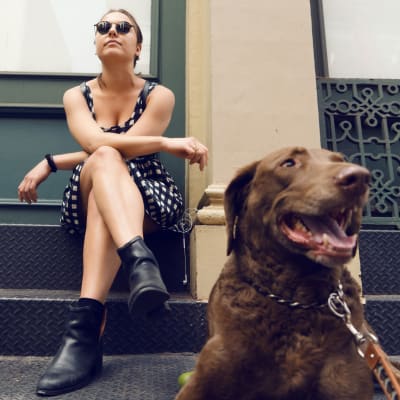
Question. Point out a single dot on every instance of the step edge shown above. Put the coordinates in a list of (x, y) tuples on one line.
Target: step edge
[(72, 295)]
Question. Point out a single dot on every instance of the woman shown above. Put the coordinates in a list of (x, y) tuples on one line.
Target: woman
[(118, 191)]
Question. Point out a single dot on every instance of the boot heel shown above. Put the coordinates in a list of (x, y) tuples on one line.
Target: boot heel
[(98, 367), (146, 300), (147, 290)]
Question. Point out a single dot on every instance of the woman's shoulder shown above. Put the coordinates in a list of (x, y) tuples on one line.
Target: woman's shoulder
[(81, 88), (74, 93), (161, 92)]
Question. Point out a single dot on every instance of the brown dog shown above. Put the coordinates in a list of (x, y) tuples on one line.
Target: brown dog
[(292, 221)]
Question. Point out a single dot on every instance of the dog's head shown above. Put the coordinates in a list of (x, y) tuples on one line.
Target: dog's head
[(297, 200)]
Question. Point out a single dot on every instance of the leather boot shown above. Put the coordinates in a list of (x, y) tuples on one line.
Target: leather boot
[(80, 356), (147, 290)]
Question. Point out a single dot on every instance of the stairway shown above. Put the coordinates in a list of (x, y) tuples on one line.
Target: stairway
[(40, 271), (380, 271)]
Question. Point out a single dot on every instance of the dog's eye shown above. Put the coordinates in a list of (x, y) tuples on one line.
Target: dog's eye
[(290, 162)]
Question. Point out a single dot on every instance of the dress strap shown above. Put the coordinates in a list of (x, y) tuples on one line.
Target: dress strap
[(146, 91), (147, 88), (85, 89)]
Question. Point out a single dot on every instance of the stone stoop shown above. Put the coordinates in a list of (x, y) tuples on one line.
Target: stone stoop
[(40, 273)]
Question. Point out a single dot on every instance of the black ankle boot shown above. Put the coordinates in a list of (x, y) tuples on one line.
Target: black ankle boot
[(80, 356), (147, 290)]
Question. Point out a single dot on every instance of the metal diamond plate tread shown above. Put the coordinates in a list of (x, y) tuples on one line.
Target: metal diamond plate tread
[(380, 261), (383, 314), (139, 377), (34, 322), (47, 257), (39, 257)]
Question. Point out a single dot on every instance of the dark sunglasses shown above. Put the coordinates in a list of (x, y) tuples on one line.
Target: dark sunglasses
[(103, 27)]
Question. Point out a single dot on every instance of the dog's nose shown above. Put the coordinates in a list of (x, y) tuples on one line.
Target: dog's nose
[(353, 178)]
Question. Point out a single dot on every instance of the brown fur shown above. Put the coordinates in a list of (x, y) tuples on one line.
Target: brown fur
[(259, 349)]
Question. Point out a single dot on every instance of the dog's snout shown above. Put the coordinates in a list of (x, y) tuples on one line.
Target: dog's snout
[(353, 177)]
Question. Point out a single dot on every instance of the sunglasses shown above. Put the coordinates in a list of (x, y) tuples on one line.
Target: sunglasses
[(103, 27)]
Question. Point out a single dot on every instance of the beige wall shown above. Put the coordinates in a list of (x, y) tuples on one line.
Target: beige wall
[(262, 80), (251, 89)]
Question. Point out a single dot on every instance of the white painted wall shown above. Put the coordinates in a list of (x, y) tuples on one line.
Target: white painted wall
[(56, 36)]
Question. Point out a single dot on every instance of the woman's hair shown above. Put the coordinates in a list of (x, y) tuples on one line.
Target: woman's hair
[(136, 26)]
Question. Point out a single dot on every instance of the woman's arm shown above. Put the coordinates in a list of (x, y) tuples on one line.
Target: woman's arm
[(142, 139), (90, 136), (157, 115), (27, 189), (68, 161)]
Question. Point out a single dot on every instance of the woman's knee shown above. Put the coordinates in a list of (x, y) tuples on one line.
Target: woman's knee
[(106, 153)]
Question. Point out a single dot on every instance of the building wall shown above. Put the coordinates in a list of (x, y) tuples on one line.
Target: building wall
[(251, 88)]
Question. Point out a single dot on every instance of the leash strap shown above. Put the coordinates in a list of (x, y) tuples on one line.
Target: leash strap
[(382, 368), (368, 347)]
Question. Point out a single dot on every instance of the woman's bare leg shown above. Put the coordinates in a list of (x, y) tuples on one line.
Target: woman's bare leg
[(102, 178), (100, 259), (118, 200)]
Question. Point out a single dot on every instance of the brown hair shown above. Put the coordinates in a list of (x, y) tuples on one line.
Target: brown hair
[(136, 26)]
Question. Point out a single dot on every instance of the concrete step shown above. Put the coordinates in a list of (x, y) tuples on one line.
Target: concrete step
[(134, 377), (47, 257), (33, 323)]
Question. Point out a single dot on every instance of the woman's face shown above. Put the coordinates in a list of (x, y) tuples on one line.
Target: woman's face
[(115, 44)]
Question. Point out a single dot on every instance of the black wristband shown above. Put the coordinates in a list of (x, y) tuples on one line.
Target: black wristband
[(50, 161)]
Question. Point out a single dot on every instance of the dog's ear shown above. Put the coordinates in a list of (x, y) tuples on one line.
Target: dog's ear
[(234, 199)]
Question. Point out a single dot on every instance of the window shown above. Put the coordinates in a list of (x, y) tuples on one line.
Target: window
[(362, 38), (57, 36)]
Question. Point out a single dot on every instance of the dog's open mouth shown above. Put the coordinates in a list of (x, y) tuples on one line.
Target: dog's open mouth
[(324, 235)]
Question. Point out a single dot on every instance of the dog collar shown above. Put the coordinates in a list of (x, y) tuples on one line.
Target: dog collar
[(280, 300)]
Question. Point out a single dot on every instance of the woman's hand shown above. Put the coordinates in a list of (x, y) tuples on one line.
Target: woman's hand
[(189, 148), (27, 189)]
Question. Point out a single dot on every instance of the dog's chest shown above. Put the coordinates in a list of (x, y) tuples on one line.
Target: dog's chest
[(275, 329)]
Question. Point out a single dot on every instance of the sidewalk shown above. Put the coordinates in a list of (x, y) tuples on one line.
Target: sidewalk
[(127, 377)]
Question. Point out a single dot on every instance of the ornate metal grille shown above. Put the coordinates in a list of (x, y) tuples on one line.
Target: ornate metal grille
[(361, 119)]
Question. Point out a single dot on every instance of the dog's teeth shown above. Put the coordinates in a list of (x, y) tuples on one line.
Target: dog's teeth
[(300, 226), (325, 240)]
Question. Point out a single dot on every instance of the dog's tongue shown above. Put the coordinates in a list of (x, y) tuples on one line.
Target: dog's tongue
[(328, 226)]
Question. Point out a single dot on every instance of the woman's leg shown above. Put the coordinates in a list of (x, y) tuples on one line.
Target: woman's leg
[(110, 197), (105, 176), (114, 213), (100, 259)]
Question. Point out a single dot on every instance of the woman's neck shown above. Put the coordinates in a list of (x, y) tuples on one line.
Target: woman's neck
[(117, 79)]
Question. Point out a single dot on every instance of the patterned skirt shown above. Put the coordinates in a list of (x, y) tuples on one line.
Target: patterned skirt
[(162, 199)]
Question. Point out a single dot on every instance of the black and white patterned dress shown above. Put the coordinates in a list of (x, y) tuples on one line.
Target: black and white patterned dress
[(162, 199)]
